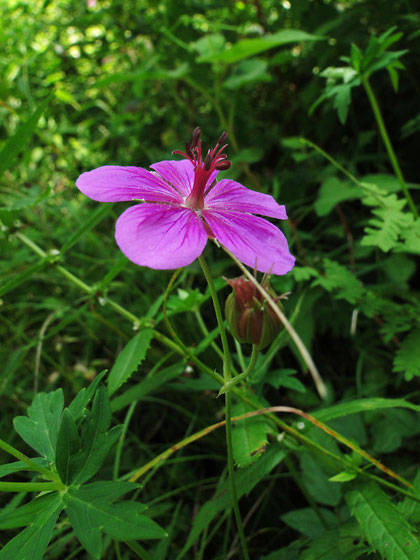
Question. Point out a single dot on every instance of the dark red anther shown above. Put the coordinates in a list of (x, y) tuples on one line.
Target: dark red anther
[(222, 138), (195, 136), (188, 150), (223, 165), (208, 160)]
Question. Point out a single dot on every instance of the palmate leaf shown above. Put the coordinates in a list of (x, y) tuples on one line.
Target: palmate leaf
[(92, 512), (25, 515), (78, 458), (41, 428), (382, 524)]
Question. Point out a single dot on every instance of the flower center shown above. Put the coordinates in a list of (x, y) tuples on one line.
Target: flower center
[(215, 159)]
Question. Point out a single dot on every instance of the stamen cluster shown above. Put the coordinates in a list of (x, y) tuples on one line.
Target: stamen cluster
[(215, 158)]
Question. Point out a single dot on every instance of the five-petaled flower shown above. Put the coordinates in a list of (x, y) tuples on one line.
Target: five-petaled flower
[(182, 205)]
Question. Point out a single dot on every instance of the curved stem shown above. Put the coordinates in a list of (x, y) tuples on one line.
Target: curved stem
[(386, 140), (46, 473), (253, 360), (227, 374)]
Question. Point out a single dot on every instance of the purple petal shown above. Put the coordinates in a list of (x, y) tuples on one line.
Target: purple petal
[(232, 196), (159, 236), (180, 174), (112, 183), (253, 240)]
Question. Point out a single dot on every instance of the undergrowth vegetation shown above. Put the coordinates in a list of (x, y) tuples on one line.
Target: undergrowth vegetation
[(116, 380)]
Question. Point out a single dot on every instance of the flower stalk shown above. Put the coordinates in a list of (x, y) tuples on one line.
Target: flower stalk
[(227, 374)]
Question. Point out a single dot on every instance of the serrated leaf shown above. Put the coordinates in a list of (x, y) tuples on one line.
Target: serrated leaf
[(337, 278), (383, 526), (18, 142), (129, 359), (32, 542), (39, 429), (246, 48), (407, 357), (411, 508), (249, 436)]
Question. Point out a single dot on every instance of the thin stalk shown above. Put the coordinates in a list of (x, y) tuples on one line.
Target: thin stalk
[(46, 473), (253, 360), (30, 486), (387, 141), (227, 374)]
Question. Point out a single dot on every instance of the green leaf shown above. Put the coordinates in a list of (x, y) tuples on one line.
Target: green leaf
[(26, 514), (95, 441), (246, 479), (361, 405), (383, 526), (317, 481), (129, 359), (407, 357), (18, 142), (32, 542), (307, 522), (68, 444), (89, 515), (344, 543), (246, 48), (10, 468), (344, 476), (41, 428), (248, 72), (332, 192), (284, 378), (84, 397), (411, 508), (249, 436), (338, 279)]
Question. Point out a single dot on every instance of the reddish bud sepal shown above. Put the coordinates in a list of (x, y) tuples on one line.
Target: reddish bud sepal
[(249, 317)]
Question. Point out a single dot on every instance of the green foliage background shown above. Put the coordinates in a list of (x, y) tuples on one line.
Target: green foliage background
[(125, 82)]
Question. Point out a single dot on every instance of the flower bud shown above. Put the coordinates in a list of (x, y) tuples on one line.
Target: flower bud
[(248, 315)]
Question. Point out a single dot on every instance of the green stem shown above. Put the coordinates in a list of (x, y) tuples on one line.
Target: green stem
[(227, 374), (46, 473), (253, 360), (30, 486), (386, 140)]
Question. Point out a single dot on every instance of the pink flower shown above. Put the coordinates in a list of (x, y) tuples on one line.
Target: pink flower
[(183, 205)]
